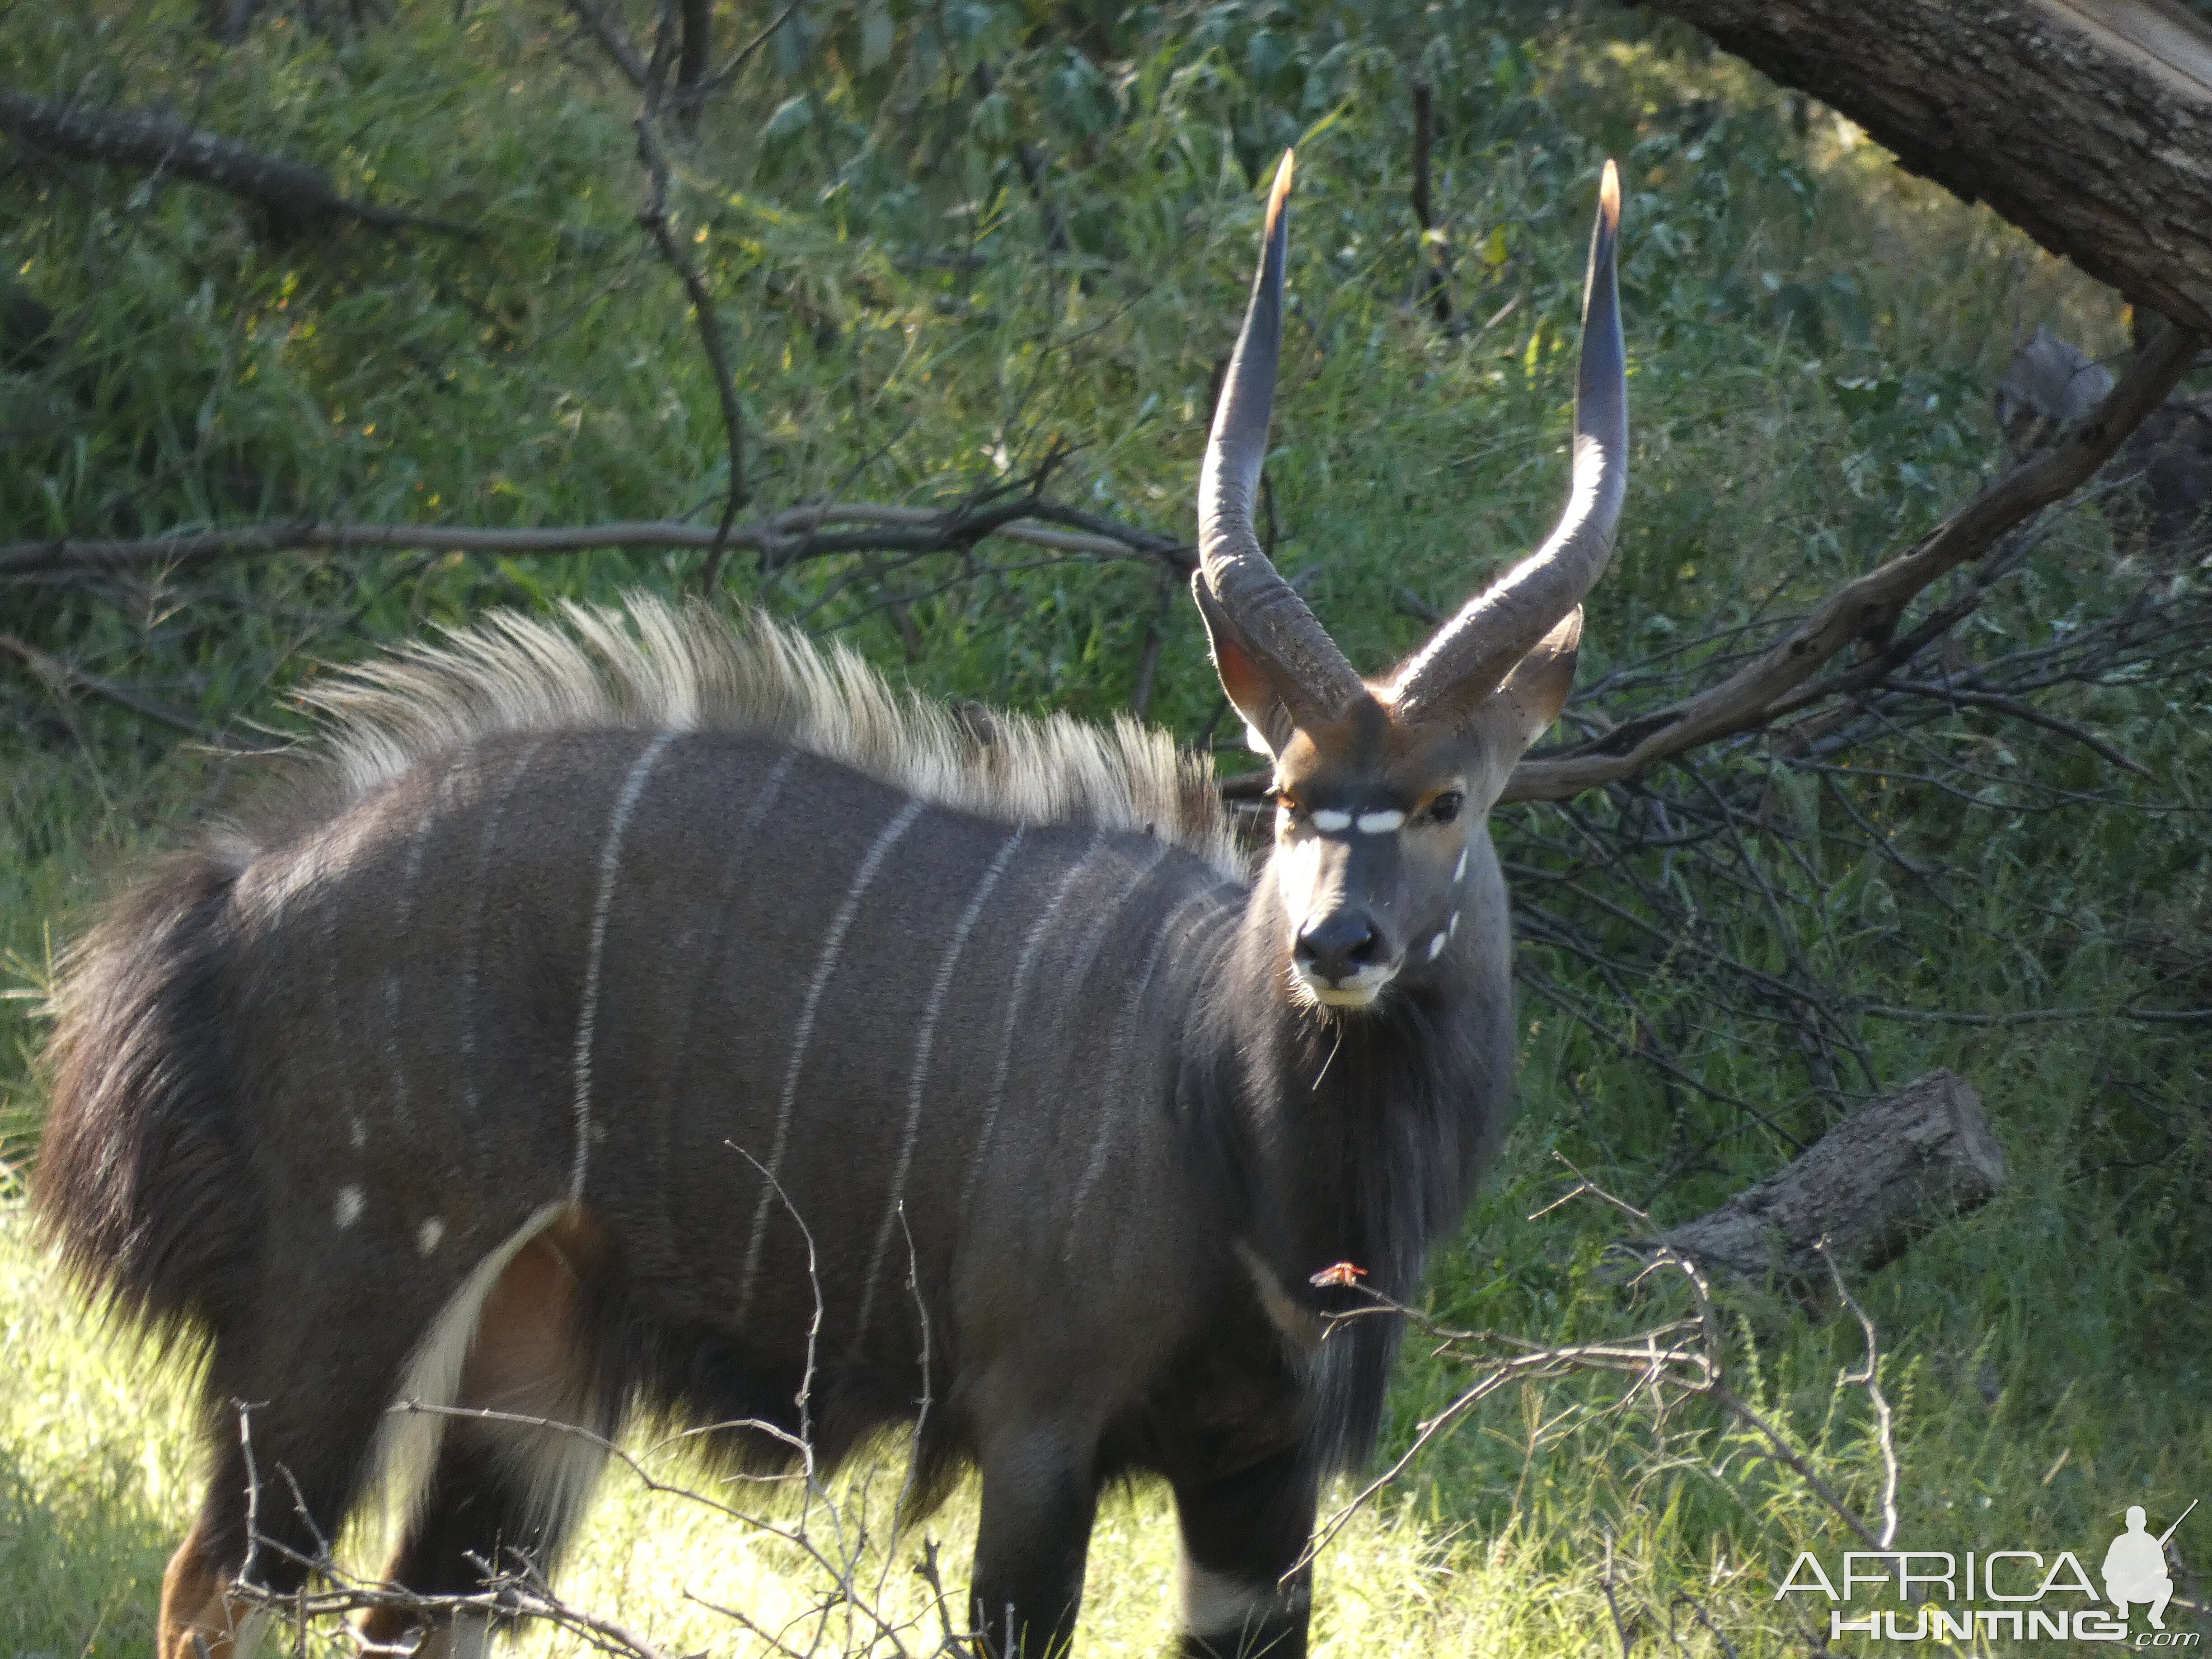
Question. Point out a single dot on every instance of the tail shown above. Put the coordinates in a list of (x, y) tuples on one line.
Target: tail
[(140, 1180)]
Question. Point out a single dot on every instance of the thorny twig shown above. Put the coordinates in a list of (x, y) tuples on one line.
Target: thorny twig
[(1683, 1357)]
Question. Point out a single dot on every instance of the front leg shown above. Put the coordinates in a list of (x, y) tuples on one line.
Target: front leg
[(1241, 1535), (1039, 1495)]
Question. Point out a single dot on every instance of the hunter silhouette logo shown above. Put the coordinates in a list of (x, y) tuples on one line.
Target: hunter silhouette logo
[(2020, 1582), (2135, 1567)]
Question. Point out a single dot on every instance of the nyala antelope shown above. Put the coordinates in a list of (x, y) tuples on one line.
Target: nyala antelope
[(601, 976)]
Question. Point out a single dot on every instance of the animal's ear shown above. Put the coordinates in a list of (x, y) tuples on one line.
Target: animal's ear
[(1519, 711), (1244, 676)]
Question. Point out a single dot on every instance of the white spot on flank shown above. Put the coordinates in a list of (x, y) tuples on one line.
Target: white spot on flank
[(1458, 871), (1382, 823), (356, 1134), (1329, 821), (1452, 928), (351, 1202), (1435, 947), (429, 1235)]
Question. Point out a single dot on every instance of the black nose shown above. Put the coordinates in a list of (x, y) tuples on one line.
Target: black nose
[(1338, 946)]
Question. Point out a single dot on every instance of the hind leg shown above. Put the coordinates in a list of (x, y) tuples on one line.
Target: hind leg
[(503, 1492), (267, 1516)]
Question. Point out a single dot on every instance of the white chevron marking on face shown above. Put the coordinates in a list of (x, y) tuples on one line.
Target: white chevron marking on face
[(1382, 823)]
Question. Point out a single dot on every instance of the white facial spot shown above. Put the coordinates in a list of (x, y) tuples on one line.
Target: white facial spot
[(1330, 822), (1435, 947), (351, 1202), (1452, 928), (1458, 871), (429, 1236), (1381, 824)]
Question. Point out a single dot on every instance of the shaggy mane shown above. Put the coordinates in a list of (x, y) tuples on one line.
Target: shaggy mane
[(649, 666)]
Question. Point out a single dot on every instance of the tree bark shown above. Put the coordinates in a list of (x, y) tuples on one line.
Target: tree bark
[(2087, 123), (1894, 1168)]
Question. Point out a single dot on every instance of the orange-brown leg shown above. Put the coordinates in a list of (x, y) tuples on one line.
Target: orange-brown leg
[(198, 1616)]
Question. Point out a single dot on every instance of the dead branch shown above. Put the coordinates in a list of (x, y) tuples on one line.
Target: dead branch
[(613, 40), (1774, 685), (1683, 1357), (66, 679), (2081, 123), (786, 539), (1894, 1167), (654, 217), (296, 197)]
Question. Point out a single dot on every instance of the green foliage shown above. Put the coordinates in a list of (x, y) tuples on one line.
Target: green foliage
[(945, 239)]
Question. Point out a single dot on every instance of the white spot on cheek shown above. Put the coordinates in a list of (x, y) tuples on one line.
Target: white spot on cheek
[(1458, 871), (1328, 821), (428, 1238), (1435, 947), (351, 1202), (1381, 824)]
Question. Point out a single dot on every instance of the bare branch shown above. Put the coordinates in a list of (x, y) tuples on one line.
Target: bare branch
[(613, 40), (296, 195), (786, 539), (1685, 1356), (1774, 684), (654, 217)]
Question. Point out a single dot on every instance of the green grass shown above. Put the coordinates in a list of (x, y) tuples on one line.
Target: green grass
[(1814, 338)]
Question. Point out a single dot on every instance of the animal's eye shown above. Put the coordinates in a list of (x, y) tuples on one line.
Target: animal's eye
[(1445, 807), (1287, 806)]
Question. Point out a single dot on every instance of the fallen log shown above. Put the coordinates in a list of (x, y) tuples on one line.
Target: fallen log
[(1892, 1169)]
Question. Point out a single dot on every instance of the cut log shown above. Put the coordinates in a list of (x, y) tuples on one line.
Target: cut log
[(2087, 123), (1892, 1169)]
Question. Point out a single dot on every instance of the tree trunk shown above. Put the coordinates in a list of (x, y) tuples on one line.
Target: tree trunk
[(2087, 123), (1894, 1167)]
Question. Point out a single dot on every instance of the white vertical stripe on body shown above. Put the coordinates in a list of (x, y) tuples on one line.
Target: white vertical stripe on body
[(923, 1043), (587, 1013), (1032, 943), (1117, 1059), (833, 943), (733, 866), (395, 1060)]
